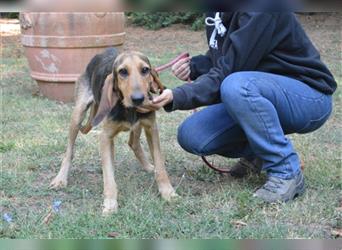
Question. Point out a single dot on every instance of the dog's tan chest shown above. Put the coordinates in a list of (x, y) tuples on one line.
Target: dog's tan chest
[(123, 126)]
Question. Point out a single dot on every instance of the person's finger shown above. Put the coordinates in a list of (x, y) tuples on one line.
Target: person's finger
[(143, 110), (182, 68), (165, 96), (157, 106), (154, 107), (184, 75), (159, 98), (161, 104), (179, 64), (149, 107), (181, 74)]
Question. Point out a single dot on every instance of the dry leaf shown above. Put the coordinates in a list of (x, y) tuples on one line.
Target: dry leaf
[(47, 218), (113, 234), (239, 223), (336, 232), (35, 92)]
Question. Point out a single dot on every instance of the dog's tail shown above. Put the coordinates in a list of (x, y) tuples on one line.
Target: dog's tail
[(87, 127)]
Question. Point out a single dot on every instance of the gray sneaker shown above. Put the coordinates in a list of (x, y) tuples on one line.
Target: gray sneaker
[(243, 167), (276, 189)]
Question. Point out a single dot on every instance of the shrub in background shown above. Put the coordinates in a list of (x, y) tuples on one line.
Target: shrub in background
[(9, 15), (157, 20)]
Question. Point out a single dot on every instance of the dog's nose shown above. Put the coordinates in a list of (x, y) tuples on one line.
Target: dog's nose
[(137, 98)]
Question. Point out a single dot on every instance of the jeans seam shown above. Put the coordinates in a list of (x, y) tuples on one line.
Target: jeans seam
[(254, 109), (323, 117), (317, 99)]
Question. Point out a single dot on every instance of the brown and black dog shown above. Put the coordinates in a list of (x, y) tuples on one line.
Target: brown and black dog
[(113, 85)]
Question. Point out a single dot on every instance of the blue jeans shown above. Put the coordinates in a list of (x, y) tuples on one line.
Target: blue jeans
[(256, 112)]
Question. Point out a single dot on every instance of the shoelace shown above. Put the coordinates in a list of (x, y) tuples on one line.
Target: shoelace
[(219, 29), (272, 184)]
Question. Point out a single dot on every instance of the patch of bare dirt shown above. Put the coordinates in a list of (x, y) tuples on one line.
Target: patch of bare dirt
[(9, 27), (10, 45), (166, 40), (323, 28)]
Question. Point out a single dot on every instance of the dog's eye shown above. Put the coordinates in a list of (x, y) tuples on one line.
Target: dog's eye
[(123, 72), (145, 70)]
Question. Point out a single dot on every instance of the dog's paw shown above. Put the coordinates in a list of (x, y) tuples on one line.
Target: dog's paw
[(149, 168), (174, 197), (169, 195), (110, 206), (58, 182)]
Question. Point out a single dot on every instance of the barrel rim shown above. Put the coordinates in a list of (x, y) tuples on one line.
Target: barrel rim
[(89, 41)]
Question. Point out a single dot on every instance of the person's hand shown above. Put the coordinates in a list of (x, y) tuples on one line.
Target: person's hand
[(158, 102), (181, 69)]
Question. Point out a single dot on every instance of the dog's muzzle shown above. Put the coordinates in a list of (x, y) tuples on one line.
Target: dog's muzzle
[(137, 98)]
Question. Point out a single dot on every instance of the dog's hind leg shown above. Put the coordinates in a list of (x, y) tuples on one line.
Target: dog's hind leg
[(83, 99), (134, 143)]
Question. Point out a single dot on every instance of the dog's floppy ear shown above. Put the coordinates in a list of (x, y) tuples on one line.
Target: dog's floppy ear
[(156, 85), (109, 98)]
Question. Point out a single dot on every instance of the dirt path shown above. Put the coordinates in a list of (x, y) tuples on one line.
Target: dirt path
[(9, 27)]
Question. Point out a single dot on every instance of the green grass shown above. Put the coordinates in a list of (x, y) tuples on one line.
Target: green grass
[(33, 140)]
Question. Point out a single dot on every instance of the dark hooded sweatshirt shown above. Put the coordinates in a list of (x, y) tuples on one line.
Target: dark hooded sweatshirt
[(266, 42)]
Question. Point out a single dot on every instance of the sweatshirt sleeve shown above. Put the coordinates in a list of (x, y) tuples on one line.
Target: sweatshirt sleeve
[(200, 65), (246, 47)]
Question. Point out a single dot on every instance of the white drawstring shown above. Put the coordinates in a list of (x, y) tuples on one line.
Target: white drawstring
[(219, 29)]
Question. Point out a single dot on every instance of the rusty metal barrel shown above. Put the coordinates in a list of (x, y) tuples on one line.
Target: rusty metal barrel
[(59, 45)]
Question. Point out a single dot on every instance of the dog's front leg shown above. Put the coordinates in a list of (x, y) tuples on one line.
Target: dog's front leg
[(165, 188), (107, 157), (134, 143)]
